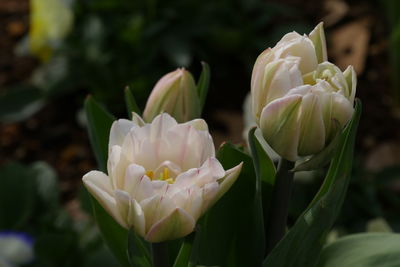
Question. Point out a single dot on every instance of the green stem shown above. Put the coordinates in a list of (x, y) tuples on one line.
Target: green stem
[(160, 254), (280, 201)]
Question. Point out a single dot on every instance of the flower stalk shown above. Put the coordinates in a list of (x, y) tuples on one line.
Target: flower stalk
[(160, 254), (280, 201)]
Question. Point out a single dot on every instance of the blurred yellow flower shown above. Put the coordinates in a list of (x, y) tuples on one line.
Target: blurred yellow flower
[(51, 21)]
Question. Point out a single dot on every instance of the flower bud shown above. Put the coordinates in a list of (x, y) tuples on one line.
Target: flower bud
[(299, 99), (176, 94)]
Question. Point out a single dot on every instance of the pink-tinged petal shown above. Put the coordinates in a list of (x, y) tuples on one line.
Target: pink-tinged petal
[(176, 225), (190, 200), (210, 171), (130, 211), (96, 183), (116, 165), (187, 178), (119, 130), (279, 125), (137, 184), (210, 192), (151, 153), (156, 208), (312, 128), (185, 146), (160, 125), (166, 87)]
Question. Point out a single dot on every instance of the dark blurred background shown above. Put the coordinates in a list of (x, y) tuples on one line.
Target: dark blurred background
[(98, 47)]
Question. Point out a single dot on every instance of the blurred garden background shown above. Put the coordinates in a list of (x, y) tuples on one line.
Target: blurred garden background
[(55, 53)]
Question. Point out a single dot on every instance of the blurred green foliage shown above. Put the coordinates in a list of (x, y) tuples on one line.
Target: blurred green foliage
[(118, 43), (30, 202)]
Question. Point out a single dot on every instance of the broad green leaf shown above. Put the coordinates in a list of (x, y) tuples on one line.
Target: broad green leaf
[(138, 251), (17, 195), (265, 170), (99, 125), (115, 236), (203, 83), (130, 102), (303, 242), (231, 233), (363, 250)]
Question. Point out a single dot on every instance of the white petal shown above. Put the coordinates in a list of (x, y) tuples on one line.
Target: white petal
[(279, 125), (190, 200), (317, 36), (177, 224), (116, 165), (119, 130), (198, 124), (96, 184), (137, 184), (160, 125), (209, 172), (156, 208), (131, 211), (312, 128)]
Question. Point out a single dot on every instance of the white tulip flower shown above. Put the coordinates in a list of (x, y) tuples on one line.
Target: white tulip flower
[(162, 176)]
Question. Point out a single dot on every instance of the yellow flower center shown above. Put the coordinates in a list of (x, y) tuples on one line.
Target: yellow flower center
[(163, 176)]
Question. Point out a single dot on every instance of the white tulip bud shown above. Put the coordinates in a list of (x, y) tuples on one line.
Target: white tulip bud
[(299, 99), (176, 94)]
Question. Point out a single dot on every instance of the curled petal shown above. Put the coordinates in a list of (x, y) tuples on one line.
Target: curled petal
[(317, 36), (130, 211), (279, 125), (351, 78), (99, 186), (137, 184)]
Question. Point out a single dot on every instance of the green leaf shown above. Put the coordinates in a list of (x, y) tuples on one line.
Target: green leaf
[(138, 251), (303, 243), (203, 83), (47, 184), (362, 250), (20, 103), (130, 102), (232, 233), (115, 236), (265, 170), (17, 195), (183, 258), (99, 125)]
